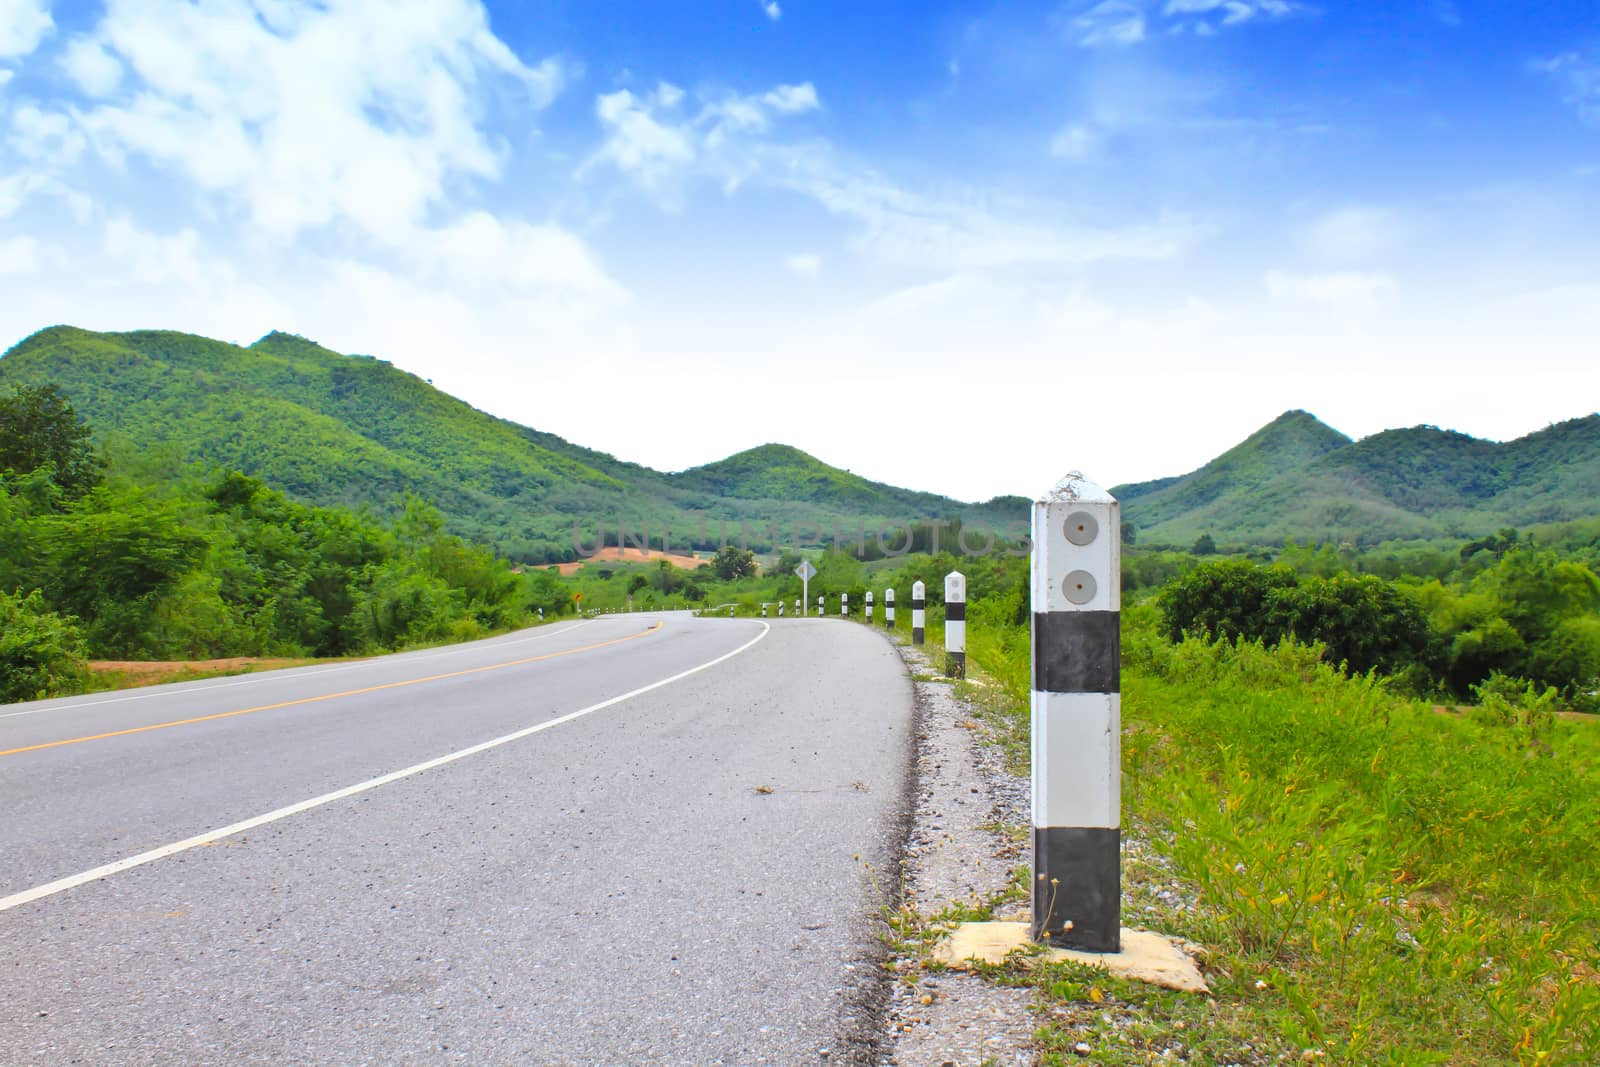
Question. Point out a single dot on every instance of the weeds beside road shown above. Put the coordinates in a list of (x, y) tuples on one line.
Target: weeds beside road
[(1374, 882)]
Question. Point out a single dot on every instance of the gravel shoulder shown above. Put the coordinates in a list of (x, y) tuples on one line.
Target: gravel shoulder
[(966, 840)]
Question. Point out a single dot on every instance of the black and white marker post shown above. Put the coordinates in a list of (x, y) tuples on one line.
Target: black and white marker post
[(797, 610), (822, 605), (888, 608), (869, 607), (955, 625), (1077, 717), (844, 603), (780, 609), (919, 611)]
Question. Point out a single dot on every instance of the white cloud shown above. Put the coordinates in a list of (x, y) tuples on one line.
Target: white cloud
[(18, 255), (1578, 75), (96, 71), (1127, 22), (480, 250), (969, 232), (221, 92), (639, 143), (45, 137), (1075, 141), (19, 186), (659, 144), (23, 24), (1354, 232), (5, 76), (792, 99), (774, 12), (805, 264), (154, 259), (1231, 12), (1109, 22), (1344, 291)]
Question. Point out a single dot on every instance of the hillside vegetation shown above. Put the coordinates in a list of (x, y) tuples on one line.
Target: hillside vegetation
[(1297, 478), (353, 431)]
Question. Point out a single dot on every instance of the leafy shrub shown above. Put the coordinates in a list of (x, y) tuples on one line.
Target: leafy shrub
[(1362, 622), (41, 654), (1515, 702)]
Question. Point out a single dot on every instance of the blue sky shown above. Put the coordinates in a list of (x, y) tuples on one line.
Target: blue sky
[(1115, 236)]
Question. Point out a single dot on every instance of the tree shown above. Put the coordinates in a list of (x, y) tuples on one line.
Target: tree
[(39, 429), (732, 562), (1227, 598), (112, 556), (1204, 546), (1361, 621), (1130, 533)]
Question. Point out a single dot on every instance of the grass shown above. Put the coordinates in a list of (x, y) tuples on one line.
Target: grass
[(1375, 883)]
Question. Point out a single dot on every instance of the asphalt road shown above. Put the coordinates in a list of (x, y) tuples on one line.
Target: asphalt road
[(474, 854)]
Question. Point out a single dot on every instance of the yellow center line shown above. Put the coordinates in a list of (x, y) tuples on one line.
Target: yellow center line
[(330, 696)]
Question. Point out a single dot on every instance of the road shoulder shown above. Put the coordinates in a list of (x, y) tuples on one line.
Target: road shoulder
[(965, 846)]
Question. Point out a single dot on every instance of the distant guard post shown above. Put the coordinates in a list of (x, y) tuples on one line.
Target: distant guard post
[(919, 611), (955, 625)]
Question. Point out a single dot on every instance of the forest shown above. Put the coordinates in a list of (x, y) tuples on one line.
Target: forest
[(98, 561), (105, 556)]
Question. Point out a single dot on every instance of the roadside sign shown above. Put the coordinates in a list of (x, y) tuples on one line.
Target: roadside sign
[(806, 572)]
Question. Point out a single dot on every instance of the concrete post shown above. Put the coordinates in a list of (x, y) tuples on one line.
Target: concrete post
[(763, 609), (955, 625), (541, 615), (888, 608), (869, 607), (821, 597), (780, 609), (1077, 717), (919, 613), (797, 606), (844, 603)]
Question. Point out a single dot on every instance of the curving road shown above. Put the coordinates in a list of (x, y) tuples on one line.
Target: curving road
[(634, 839)]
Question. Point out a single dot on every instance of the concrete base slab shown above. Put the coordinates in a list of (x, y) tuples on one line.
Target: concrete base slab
[(1145, 956)]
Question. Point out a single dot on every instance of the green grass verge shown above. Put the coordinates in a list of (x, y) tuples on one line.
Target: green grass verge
[(1376, 883)]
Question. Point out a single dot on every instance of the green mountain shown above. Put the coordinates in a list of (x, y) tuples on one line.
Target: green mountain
[(355, 431), (1299, 478)]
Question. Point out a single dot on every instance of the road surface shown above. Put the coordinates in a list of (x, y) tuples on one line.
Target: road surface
[(633, 839)]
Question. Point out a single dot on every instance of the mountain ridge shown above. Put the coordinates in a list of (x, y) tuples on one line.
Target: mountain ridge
[(1418, 482), (355, 431)]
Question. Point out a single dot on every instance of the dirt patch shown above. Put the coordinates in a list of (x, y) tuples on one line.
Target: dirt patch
[(1570, 716), (143, 671), (610, 554)]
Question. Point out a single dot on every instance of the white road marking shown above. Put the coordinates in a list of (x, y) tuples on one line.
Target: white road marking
[(305, 672), (73, 881)]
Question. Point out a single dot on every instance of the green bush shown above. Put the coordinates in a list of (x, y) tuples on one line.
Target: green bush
[(41, 654), (1362, 622)]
